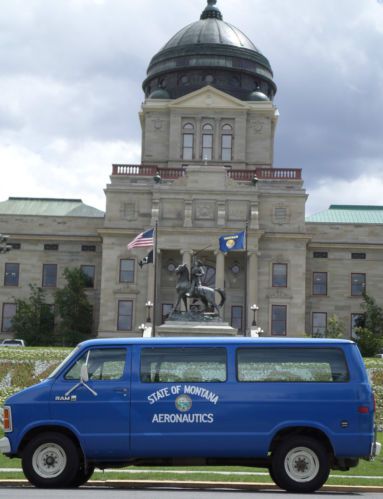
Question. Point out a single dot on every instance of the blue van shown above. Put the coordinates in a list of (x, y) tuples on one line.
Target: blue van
[(298, 407)]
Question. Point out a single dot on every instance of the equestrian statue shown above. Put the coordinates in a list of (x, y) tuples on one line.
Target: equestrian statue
[(194, 289)]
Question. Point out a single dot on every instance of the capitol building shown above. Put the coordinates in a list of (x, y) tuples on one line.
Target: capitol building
[(208, 125)]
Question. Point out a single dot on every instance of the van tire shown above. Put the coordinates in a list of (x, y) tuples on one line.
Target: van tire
[(300, 464), (51, 460)]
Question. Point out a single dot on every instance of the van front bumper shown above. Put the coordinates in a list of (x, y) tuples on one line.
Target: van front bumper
[(376, 449), (5, 446)]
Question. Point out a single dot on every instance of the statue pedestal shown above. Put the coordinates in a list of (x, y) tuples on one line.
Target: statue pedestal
[(194, 328)]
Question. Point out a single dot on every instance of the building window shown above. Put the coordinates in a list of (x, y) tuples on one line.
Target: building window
[(358, 256), (15, 246), (125, 315), (236, 317), (319, 324), (49, 275), (88, 247), (319, 283), (51, 247), (166, 309), (11, 274), (357, 320), (227, 143), (207, 142), (188, 141), (320, 254), (127, 266), (89, 272), (9, 310), (278, 320), (358, 284), (279, 278)]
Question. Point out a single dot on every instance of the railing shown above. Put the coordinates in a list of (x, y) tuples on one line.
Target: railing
[(266, 173), (238, 175), (148, 171)]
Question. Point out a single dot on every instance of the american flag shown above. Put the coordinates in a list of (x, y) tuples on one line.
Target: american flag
[(143, 240)]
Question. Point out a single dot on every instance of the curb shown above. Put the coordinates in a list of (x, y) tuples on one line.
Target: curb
[(179, 484)]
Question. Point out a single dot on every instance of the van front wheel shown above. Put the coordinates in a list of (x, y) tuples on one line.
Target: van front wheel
[(300, 464), (51, 460)]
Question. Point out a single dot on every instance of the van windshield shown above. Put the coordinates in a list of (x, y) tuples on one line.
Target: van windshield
[(69, 356)]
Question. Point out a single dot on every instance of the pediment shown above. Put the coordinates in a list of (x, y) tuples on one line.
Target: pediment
[(208, 97)]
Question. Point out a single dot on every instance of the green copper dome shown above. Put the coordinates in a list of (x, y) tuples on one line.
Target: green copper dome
[(210, 52)]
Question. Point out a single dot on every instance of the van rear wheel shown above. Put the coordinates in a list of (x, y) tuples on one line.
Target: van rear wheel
[(51, 460), (300, 464)]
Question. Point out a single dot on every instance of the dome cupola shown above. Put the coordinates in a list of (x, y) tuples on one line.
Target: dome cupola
[(210, 52)]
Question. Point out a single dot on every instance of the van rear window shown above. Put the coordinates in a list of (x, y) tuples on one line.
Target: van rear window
[(183, 365), (305, 365)]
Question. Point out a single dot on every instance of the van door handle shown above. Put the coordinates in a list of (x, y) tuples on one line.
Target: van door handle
[(121, 390)]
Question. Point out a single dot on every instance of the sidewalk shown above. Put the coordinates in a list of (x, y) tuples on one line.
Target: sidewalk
[(201, 485), (183, 484)]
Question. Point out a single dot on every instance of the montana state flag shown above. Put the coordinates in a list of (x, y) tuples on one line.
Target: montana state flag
[(232, 242)]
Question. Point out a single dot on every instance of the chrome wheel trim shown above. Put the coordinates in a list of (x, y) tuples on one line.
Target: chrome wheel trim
[(301, 464), (49, 460)]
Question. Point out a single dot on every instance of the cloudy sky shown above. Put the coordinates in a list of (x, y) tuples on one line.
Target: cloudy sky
[(70, 90)]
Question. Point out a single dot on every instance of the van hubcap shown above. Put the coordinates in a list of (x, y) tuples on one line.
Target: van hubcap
[(301, 464), (49, 460)]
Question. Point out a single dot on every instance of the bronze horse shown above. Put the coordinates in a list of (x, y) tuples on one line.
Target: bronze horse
[(203, 293)]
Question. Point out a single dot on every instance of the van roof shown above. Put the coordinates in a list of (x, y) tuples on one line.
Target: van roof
[(238, 340)]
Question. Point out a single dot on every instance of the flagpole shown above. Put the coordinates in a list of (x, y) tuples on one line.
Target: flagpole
[(245, 316), (155, 279)]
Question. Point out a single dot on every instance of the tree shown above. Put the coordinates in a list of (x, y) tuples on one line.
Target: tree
[(335, 328), (369, 333), (34, 319), (74, 309)]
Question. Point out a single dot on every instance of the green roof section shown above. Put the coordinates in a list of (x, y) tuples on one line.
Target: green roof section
[(48, 207), (348, 214)]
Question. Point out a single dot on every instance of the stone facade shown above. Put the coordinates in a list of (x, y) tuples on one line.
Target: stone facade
[(206, 170)]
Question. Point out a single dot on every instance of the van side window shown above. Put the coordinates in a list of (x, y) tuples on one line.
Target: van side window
[(324, 365), (103, 364), (183, 365)]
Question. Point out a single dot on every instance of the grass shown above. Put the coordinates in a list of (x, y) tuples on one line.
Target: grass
[(24, 366)]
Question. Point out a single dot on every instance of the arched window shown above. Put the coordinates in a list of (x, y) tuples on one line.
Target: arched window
[(207, 142), (226, 142), (187, 141)]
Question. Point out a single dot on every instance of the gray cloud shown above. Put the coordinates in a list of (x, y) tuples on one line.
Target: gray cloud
[(72, 72)]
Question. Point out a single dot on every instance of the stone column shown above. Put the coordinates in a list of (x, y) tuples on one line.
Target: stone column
[(252, 284), (186, 257), (219, 269), (220, 274), (150, 290)]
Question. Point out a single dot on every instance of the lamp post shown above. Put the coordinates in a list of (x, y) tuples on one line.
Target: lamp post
[(148, 305), (254, 308)]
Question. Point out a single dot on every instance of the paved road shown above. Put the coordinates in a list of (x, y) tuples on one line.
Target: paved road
[(104, 493)]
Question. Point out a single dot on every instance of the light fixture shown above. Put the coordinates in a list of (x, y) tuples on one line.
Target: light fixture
[(254, 180), (254, 308), (157, 178), (148, 305)]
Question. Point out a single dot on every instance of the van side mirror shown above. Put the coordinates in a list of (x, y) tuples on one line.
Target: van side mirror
[(84, 375)]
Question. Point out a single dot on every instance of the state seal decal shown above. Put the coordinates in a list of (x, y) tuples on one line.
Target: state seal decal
[(184, 403)]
